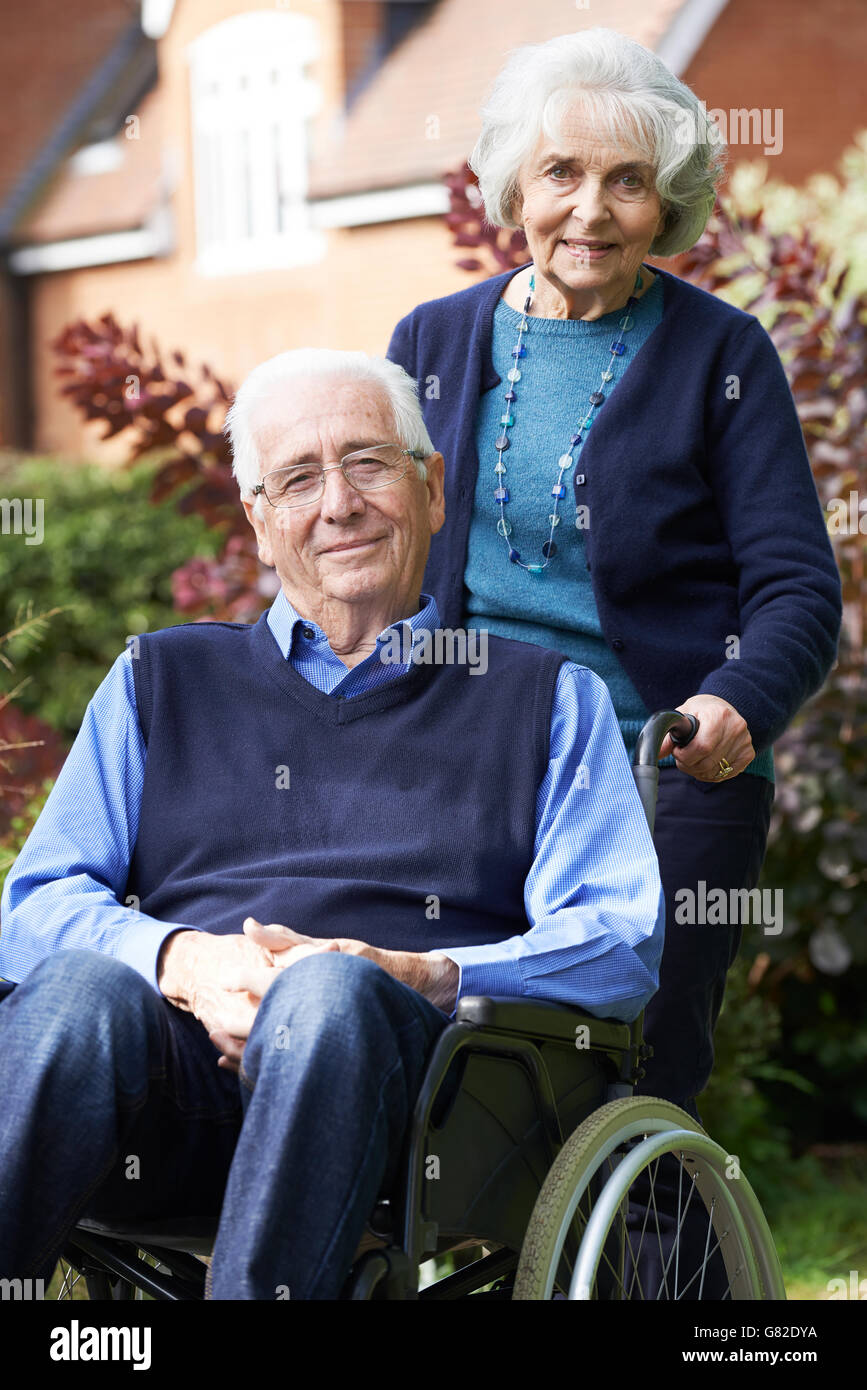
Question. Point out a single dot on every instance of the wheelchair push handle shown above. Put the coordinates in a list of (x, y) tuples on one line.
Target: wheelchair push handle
[(677, 732), (683, 729)]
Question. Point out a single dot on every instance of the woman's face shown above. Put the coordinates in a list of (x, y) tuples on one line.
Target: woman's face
[(589, 210)]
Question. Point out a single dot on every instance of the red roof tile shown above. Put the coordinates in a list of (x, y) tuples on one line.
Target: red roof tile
[(48, 53), (81, 204), (419, 117)]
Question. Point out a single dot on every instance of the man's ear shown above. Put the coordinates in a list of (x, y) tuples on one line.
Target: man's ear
[(435, 483), (258, 525)]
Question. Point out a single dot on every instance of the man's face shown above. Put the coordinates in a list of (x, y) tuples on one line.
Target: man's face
[(367, 548)]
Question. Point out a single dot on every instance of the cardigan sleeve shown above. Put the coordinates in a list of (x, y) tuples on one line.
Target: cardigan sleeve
[(402, 348), (789, 590)]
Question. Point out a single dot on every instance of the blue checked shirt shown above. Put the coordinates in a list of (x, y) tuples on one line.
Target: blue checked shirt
[(593, 896)]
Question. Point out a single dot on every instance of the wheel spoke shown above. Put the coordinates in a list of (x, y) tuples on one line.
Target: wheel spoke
[(702, 1269), (70, 1278), (675, 1249), (635, 1256), (617, 1272), (658, 1232), (706, 1243), (677, 1242)]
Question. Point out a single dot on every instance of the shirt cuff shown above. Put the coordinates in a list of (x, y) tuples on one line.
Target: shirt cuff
[(481, 975), (141, 943)]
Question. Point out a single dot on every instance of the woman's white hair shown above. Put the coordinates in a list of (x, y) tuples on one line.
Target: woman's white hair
[(287, 373), (632, 98)]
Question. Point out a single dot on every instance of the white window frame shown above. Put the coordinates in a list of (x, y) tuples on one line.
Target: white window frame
[(99, 157), (251, 101)]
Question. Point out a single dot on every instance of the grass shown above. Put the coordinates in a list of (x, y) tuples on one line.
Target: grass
[(819, 1223)]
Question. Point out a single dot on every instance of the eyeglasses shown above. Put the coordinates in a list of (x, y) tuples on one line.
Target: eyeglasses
[(366, 470)]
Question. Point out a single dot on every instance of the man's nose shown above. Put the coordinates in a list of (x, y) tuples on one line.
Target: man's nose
[(340, 499)]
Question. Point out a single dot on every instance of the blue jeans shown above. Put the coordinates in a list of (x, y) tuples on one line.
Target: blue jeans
[(112, 1106)]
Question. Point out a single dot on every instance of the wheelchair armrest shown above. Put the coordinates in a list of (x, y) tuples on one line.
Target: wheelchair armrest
[(540, 1018)]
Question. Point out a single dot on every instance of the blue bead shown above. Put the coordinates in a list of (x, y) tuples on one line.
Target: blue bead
[(514, 555), (501, 442), (519, 351), (501, 494), (534, 569), (576, 439), (510, 396), (597, 398), (558, 490), (618, 349), (549, 549)]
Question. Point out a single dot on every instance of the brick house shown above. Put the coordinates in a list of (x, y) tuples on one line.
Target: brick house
[(239, 178)]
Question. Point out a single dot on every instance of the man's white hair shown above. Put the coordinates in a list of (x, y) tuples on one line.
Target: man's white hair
[(286, 373), (631, 97)]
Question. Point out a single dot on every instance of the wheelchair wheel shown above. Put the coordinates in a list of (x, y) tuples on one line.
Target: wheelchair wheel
[(641, 1204)]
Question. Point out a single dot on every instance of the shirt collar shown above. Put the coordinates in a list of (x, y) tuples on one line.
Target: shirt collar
[(288, 627)]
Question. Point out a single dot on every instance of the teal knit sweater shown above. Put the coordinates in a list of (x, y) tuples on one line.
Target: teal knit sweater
[(564, 362)]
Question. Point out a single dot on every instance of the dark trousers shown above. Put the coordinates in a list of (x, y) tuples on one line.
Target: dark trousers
[(715, 832)]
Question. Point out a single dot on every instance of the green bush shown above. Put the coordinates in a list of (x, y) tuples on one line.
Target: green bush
[(12, 843), (796, 259), (107, 559)]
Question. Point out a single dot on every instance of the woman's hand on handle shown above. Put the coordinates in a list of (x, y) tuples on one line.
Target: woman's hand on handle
[(723, 737)]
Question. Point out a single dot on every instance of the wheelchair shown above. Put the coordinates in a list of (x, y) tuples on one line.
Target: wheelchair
[(529, 1154)]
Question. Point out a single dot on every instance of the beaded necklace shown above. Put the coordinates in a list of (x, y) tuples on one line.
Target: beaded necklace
[(566, 460)]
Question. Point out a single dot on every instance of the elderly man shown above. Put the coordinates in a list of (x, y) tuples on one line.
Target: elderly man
[(287, 854)]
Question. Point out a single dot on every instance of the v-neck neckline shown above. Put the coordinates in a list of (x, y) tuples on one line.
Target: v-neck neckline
[(334, 708)]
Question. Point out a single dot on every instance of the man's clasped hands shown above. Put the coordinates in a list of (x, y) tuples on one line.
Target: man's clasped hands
[(223, 979)]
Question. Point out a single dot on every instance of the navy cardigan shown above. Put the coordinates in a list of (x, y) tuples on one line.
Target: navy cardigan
[(705, 523)]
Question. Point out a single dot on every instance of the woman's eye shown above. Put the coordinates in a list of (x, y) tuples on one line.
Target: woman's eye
[(559, 169)]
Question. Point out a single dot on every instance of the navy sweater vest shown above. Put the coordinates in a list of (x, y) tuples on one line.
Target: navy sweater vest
[(404, 817)]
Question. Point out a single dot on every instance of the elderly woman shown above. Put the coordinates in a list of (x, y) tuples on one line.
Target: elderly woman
[(626, 479)]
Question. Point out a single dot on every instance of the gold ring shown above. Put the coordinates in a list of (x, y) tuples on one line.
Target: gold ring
[(725, 767)]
